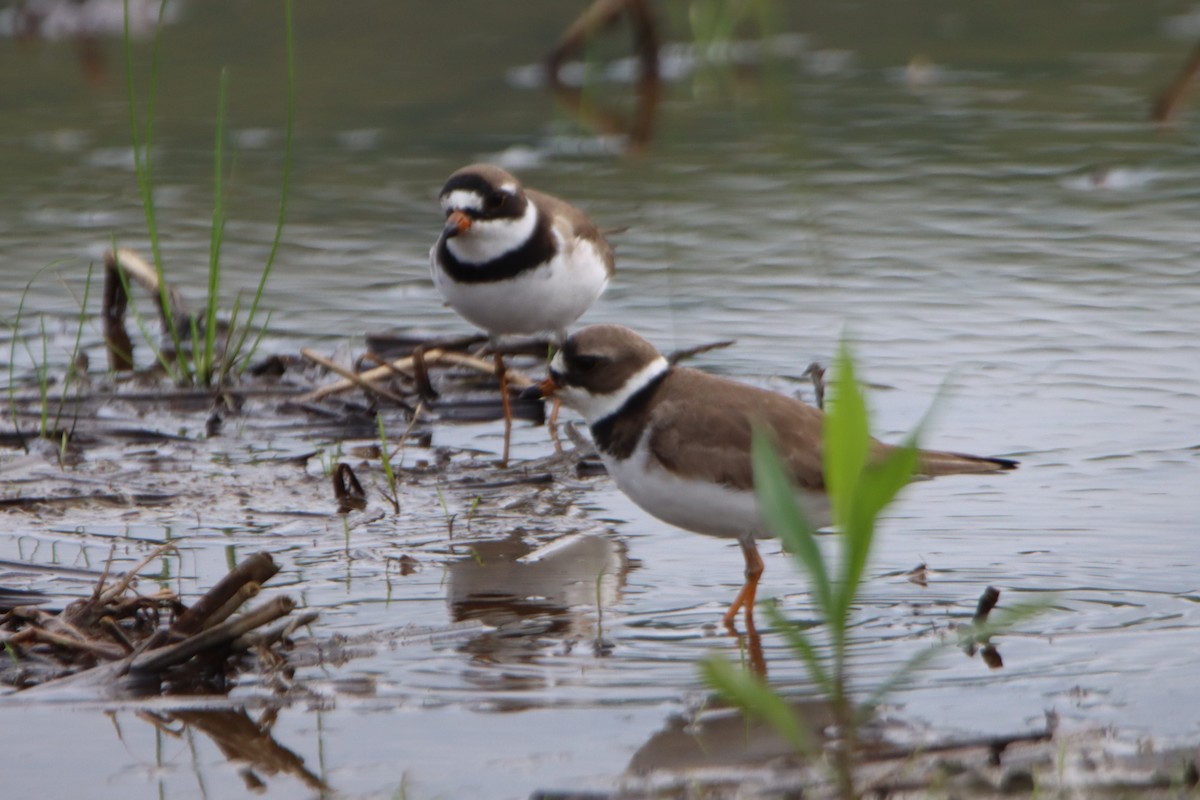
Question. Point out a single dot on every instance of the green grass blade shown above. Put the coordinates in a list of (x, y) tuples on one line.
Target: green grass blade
[(758, 700), (12, 353), (247, 355), (12, 378), (777, 504), (218, 234), (288, 151), (44, 380), (226, 358), (384, 453), (192, 354), (69, 379), (145, 175)]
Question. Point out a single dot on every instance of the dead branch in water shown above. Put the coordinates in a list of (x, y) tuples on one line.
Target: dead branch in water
[(123, 268), (348, 491), (596, 17), (1171, 99), (213, 638), (407, 365), (118, 640), (356, 379), (258, 568), (600, 15)]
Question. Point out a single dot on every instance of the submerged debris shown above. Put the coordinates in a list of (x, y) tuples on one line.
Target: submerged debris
[(347, 490), (119, 641)]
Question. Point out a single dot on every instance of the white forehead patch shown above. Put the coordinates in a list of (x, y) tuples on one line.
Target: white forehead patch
[(462, 198)]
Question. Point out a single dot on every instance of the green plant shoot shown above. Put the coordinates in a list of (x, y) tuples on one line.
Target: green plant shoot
[(862, 478)]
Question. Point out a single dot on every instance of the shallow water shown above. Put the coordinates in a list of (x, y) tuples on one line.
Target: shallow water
[(1000, 218)]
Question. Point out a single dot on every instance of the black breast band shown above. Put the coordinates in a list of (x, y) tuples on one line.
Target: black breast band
[(537, 250)]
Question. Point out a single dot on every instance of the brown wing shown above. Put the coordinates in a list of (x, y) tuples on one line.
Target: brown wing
[(573, 223), (702, 429)]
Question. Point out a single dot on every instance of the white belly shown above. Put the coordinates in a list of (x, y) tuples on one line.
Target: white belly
[(699, 506), (548, 298)]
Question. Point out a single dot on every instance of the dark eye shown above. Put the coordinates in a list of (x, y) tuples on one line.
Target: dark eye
[(584, 363), (494, 201)]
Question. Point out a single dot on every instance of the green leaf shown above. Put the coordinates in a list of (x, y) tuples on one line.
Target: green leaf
[(882, 481), (861, 485), (12, 654), (758, 700), (777, 504), (207, 357), (1003, 620), (288, 150), (877, 487), (846, 438), (800, 643)]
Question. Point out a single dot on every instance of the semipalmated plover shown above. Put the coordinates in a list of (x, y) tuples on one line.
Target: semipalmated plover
[(516, 261), (677, 440)]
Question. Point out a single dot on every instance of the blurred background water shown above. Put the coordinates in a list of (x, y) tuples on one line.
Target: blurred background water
[(973, 194)]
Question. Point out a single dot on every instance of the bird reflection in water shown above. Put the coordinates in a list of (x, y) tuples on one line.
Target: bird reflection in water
[(536, 595)]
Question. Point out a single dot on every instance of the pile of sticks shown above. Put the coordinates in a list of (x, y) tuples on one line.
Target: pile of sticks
[(120, 641)]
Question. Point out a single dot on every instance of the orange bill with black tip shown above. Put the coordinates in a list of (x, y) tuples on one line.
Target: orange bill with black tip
[(548, 387), (457, 222)]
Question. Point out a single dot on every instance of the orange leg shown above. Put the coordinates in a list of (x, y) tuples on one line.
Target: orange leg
[(553, 425), (745, 597), (502, 374)]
